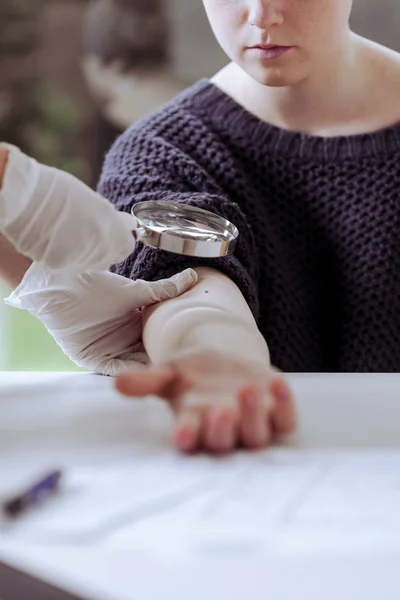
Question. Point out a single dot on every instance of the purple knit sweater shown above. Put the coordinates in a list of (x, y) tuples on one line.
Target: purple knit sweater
[(318, 259)]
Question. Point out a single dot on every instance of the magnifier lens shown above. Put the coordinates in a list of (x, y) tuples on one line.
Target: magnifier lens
[(184, 229)]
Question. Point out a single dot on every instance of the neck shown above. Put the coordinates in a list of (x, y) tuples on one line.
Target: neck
[(329, 99)]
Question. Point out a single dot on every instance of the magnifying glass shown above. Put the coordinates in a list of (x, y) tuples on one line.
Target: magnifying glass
[(184, 229)]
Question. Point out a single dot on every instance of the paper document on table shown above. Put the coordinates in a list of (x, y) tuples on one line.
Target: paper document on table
[(285, 500), (278, 497), (94, 501)]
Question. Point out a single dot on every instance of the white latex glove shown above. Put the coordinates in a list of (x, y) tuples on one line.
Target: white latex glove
[(52, 217), (95, 317)]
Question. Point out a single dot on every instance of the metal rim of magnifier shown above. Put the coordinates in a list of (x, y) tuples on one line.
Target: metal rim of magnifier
[(171, 238)]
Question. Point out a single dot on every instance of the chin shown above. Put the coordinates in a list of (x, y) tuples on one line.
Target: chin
[(274, 80), (276, 77)]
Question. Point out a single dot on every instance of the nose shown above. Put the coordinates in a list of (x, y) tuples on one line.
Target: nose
[(264, 14)]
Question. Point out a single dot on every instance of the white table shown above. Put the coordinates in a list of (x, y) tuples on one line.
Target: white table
[(78, 421)]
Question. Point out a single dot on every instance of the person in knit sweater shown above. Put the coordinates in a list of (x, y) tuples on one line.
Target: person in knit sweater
[(297, 142)]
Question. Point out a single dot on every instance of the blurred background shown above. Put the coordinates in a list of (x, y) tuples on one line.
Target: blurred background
[(75, 73)]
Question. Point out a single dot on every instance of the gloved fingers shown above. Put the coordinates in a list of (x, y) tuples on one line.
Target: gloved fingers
[(106, 357), (150, 292)]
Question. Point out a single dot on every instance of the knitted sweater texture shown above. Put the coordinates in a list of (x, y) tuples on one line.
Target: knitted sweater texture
[(318, 258)]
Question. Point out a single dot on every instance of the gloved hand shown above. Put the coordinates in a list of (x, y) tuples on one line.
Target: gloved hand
[(95, 317), (52, 217)]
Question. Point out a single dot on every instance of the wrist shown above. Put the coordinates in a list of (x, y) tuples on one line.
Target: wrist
[(3, 163), (13, 265), (202, 329)]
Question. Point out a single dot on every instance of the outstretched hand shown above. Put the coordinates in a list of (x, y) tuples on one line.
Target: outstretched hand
[(220, 402)]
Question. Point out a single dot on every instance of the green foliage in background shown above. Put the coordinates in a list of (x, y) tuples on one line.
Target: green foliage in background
[(43, 122), (26, 344), (53, 137), (20, 10)]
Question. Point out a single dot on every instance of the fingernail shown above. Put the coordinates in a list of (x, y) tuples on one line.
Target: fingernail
[(184, 444), (222, 420), (282, 391), (252, 397), (184, 439)]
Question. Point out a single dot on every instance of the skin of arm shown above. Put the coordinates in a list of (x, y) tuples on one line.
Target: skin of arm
[(213, 315), (212, 365), (13, 265)]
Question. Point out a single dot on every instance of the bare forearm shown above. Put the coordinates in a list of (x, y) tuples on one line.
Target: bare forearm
[(212, 316), (3, 163), (13, 265)]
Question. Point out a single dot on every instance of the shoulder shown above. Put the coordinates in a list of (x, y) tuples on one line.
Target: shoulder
[(181, 122), (186, 107), (384, 60), (384, 67), (186, 129)]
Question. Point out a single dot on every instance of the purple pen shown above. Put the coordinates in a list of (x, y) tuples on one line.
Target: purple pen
[(32, 495)]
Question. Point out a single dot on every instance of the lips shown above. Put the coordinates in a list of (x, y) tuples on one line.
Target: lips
[(269, 51), (269, 46)]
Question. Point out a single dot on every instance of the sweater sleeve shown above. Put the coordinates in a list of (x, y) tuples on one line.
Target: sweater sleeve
[(142, 166)]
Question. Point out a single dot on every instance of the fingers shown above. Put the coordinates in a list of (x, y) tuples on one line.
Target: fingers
[(144, 382), (249, 422), (283, 415), (188, 430), (220, 429), (254, 422), (209, 428)]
